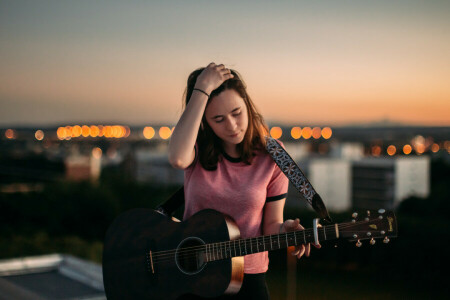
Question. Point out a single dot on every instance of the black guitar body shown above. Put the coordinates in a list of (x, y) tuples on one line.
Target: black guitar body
[(135, 265)]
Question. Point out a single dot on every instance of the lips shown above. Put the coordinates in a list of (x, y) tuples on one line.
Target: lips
[(234, 135)]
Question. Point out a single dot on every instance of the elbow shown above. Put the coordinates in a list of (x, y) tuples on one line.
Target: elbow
[(177, 163)]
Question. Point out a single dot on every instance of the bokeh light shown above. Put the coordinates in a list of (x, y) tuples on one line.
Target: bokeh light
[(316, 133), (376, 150), (296, 132), (435, 148), (94, 131), (97, 153), (391, 150), (39, 135), (407, 149), (326, 133), (76, 130), (85, 131), (276, 132), (9, 134), (306, 133), (149, 132), (165, 132)]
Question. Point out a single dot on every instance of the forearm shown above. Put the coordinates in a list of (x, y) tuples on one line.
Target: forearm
[(183, 138), (272, 228)]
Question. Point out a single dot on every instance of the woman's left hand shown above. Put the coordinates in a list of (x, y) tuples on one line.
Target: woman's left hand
[(293, 225)]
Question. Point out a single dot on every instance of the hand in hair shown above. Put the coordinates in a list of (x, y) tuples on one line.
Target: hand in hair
[(212, 77)]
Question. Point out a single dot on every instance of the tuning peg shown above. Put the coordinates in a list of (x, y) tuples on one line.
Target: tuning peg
[(353, 221), (386, 240), (355, 235), (368, 213), (372, 241), (381, 211), (358, 244), (382, 232), (354, 215)]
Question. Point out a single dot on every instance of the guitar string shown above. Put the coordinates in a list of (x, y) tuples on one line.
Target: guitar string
[(329, 228), (218, 255), (219, 247)]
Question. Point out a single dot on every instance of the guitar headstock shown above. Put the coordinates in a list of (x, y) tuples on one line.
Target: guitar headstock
[(370, 225)]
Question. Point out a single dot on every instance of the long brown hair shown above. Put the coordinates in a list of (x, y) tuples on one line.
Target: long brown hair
[(209, 145)]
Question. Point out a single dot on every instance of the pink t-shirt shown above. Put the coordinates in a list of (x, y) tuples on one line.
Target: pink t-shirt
[(239, 191)]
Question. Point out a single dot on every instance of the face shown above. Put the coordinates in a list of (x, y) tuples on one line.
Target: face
[(227, 116)]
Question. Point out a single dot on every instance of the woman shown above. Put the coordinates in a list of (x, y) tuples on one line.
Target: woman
[(219, 142)]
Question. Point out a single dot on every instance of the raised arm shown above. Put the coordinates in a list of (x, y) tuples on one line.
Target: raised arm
[(181, 145)]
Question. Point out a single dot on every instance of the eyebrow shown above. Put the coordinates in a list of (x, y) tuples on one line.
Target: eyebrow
[(221, 116)]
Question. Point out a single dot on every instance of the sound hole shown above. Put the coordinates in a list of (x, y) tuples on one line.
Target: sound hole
[(190, 256)]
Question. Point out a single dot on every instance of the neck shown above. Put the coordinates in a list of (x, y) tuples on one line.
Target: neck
[(223, 250), (231, 150)]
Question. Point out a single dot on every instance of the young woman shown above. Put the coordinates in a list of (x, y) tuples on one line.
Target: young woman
[(219, 142)]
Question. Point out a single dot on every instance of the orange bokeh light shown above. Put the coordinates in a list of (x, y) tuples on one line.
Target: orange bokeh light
[(276, 132), (97, 153), (39, 135), (391, 150), (61, 133), (75, 131), (149, 132), (296, 132), (435, 148), (165, 132), (9, 133), (94, 131), (316, 133), (326, 133), (85, 131), (407, 149), (107, 131), (376, 150), (306, 133)]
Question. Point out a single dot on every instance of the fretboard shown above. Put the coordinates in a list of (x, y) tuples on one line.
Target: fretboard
[(240, 247)]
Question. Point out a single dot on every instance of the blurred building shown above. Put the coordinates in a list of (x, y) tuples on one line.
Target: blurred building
[(53, 276), (83, 167), (154, 167), (367, 183)]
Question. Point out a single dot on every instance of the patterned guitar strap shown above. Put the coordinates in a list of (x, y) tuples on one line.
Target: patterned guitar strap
[(296, 177)]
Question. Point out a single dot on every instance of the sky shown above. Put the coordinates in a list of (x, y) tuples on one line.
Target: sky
[(327, 63)]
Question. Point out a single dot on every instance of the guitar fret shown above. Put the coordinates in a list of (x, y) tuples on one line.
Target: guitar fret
[(279, 247), (324, 233), (264, 244), (229, 247), (287, 240), (234, 245), (304, 237), (240, 250), (257, 246), (295, 238), (270, 236), (251, 246), (245, 246)]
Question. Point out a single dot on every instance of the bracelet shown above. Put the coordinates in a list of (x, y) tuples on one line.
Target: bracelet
[(195, 89)]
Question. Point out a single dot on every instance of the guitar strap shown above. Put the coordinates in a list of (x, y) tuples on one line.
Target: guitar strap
[(287, 166), (292, 171)]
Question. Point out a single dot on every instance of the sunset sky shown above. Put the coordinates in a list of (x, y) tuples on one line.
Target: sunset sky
[(304, 62)]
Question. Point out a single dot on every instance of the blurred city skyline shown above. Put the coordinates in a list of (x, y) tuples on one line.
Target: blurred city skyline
[(329, 63)]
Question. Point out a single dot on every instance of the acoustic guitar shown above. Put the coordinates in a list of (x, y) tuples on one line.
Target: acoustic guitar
[(148, 256)]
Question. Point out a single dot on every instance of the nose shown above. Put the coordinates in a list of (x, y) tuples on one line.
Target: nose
[(231, 124)]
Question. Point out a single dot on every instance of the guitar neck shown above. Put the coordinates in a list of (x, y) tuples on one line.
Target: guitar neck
[(240, 247)]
